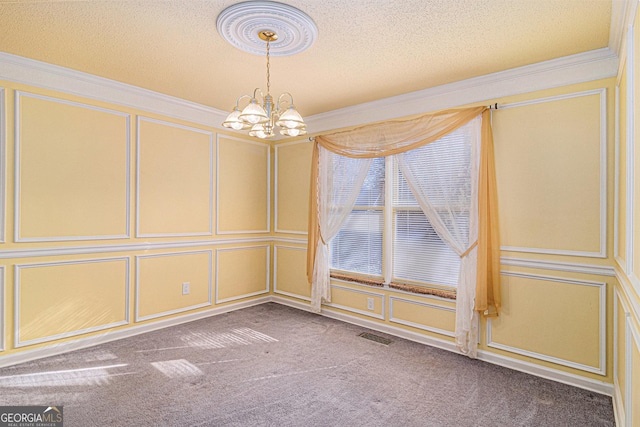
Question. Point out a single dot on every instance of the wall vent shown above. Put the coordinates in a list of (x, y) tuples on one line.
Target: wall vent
[(375, 338)]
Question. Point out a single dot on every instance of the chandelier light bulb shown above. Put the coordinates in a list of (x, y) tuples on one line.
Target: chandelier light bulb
[(254, 113), (232, 121), (291, 119)]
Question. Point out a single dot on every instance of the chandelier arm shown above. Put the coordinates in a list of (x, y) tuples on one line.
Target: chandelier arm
[(279, 103), (255, 93), (240, 97)]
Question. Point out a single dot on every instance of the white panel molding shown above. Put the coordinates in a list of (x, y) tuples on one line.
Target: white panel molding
[(616, 176), (294, 240), (632, 337), (592, 65), (47, 76), (208, 232), (267, 275), (622, 403), (631, 120), (275, 204), (147, 246), (139, 318), (67, 346), (275, 272), (484, 355), (16, 302), (3, 322), (17, 237), (3, 166), (380, 316), (267, 228), (571, 267), (602, 329), (602, 252), (394, 319), (624, 289)]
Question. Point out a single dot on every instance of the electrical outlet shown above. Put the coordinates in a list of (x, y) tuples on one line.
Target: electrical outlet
[(186, 288), (370, 305)]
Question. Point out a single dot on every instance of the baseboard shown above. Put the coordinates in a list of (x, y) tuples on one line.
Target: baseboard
[(618, 406), (548, 373), (484, 355), (65, 347)]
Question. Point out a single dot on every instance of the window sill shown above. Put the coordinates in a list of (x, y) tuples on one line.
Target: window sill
[(415, 289)]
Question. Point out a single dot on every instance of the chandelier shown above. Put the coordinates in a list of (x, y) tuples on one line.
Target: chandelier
[(261, 115)]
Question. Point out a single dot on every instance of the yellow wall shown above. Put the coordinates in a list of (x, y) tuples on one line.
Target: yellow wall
[(175, 179), (73, 172), (627, 265), (115, 208), (549, 150), (555, 169), (243, 206)]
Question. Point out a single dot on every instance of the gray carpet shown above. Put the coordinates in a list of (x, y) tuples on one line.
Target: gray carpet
[(272, 365)]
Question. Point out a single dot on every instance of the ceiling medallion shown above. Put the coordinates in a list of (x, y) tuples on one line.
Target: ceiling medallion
[(241, 24), (277, 27)]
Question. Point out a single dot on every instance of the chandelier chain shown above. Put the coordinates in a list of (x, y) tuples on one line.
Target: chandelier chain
[(268, 68)]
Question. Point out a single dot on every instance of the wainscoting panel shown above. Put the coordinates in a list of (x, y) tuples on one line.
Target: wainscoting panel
[(633, 388), (3, 321), (290, 272), (243, 186), (357, 300), (3, 167), (174, 180), (621, 175), (71, 171), (160, 279), (551, 167), (555, 319), (620, 353), (423, 315), (242, 272), (292, 178), (55, 300)]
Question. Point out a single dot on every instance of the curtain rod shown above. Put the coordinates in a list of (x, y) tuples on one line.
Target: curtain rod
[(490, 107)]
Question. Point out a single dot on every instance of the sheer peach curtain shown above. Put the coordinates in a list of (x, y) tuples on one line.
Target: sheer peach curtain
[(394, 137)]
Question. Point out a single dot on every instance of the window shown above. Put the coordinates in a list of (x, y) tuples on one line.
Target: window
[(358, 245), (388, 237)]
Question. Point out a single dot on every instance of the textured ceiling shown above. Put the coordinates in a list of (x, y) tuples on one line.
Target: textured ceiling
[(366, 49)]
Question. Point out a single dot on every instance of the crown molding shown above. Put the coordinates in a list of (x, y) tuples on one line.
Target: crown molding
[(582, 67), (578, 68), (30, 72), (622, 15)]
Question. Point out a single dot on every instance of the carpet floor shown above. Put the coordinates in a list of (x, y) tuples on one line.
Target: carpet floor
[(272, 365)]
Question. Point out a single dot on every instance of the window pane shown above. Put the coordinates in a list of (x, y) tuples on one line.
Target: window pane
[(419, 253), (446, 160), (358, 245), (372, 193)]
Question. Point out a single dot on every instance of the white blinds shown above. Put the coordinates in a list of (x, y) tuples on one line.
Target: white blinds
[(419, 254), (358, 245)]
